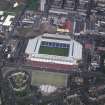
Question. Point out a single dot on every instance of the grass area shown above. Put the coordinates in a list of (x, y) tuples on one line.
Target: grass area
[(54, 51), (13, 11), (32, 4), (24, 31), (51, 78)]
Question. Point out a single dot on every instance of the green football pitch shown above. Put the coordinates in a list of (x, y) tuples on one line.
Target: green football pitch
[(50, 78), (54, 51)]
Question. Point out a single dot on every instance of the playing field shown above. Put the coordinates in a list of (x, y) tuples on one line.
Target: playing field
[(54, 51), (51, 78)]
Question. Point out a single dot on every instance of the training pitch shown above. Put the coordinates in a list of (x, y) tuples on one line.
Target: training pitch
[(50, 78)]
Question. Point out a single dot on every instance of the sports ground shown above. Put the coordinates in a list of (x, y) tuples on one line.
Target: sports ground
[(49, 78), (52, 48), (54, 51)]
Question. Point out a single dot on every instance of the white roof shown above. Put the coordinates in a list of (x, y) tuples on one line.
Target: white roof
[(58, 11), (47, 89), (8, 21), (15, 5), (57, 36), (2, 18), (1, 12)]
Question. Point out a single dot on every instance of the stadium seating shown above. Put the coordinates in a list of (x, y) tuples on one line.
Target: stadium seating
[(52, 66), (54, 45)]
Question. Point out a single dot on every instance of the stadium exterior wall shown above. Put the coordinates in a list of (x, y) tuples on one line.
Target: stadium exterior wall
[(52, 66)]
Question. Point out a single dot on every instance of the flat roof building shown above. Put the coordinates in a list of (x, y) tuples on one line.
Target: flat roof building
[(8, 20)]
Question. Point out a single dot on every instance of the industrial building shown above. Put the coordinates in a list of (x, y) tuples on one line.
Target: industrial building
[(54, 51)]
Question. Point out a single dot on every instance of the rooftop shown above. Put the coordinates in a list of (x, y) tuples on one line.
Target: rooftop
[(8, 20)]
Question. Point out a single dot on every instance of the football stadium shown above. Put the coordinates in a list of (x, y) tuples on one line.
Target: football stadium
[(54, 52)]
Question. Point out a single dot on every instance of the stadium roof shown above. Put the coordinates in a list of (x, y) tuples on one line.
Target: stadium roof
[(74, 50)]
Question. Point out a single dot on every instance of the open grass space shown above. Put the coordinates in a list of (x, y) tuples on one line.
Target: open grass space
[(54, 51), (50, 78), (32, 4)]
